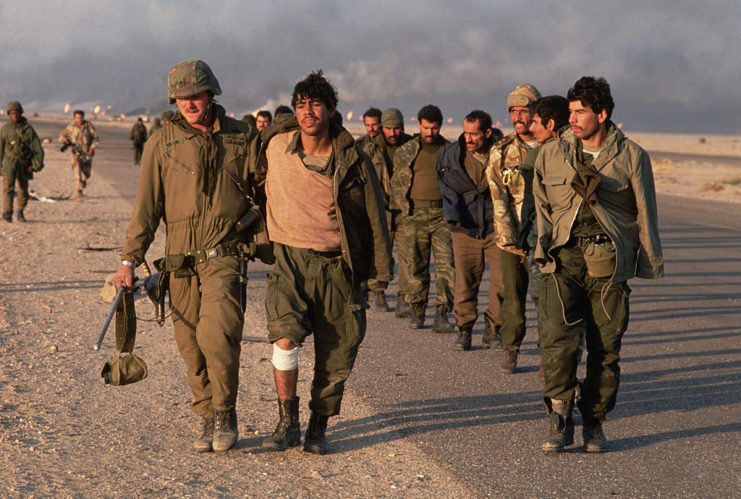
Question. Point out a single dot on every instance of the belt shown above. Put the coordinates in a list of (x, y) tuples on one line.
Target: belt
[(223, 249), (596, 239), (424, 203)]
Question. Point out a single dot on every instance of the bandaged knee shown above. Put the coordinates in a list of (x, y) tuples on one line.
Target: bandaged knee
[(285, 360)]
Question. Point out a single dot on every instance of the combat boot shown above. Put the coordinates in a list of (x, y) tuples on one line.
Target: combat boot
[(594, 437), (509, 361), (441, 324), (20, 217), (8, 216), (561, 432), (403, 309), (205, 441), (491, 338), (288, 432), (418, 316), (225, 430), (315, 441), (463, 341), (380, 301)]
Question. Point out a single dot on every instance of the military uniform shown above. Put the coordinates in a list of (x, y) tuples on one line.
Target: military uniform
[(422, 230), (188, 179), (83, 138), (316, 290), (138, 137), (20, 148), (587, 252)]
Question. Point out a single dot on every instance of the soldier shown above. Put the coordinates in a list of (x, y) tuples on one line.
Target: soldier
[(597, 228), (325, 218), (194, 176), (263, 119), (138, 137), (156, 125), (507, 187), (549, 114), (21, 154), (381, 148), (166, 117), (467, 207), (422, 229), (83, 139), (372, 122)]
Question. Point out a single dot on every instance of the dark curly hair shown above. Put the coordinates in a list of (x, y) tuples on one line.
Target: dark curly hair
[(593, 93), (315, 86)]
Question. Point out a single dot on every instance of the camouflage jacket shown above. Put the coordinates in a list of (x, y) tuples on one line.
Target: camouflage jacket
[(14, 140), (626, 207), (189, 179), (83, 136), (401, 180), (365, 243), (507, 184), (138, 133)]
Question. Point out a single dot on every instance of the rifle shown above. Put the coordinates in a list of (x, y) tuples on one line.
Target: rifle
[(78, 151)]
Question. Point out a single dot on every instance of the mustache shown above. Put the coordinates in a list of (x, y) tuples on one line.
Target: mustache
[(192, 109)]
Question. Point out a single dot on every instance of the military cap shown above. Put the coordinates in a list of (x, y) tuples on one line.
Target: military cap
[(190, 78), (15, 106), (392, 117), (522, 96)]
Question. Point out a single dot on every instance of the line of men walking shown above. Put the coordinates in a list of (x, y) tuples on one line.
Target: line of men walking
[(576, 201)]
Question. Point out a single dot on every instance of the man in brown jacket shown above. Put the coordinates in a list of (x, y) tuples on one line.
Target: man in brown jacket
[(194, 176)]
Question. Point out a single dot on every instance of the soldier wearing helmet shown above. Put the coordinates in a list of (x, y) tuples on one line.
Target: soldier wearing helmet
[(195, 176), (83, 138), (21, 154)]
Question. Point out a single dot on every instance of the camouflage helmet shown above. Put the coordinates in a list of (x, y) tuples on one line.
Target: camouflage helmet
[(191, 78), (15, 106)]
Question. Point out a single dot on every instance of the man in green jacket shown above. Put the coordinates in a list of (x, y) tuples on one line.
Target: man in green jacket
[(325, 216), (138, 137), (196, 176), (597, 228), (423, 232), (21, 154)]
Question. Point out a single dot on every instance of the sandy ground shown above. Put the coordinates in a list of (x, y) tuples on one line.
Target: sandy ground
[(64, 433)]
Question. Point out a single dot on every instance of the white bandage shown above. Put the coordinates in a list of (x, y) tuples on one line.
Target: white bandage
[(285, 360)]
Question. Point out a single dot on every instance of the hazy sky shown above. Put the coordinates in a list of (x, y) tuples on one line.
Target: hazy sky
[(673, 65)]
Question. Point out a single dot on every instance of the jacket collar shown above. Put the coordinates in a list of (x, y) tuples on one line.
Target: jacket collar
[(216, 126), (568, 145)]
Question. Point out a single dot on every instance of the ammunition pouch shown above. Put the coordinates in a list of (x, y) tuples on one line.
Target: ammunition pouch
[(600, 256)]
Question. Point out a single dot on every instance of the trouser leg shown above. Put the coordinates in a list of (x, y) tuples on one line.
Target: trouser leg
[(514, 276), (496, 285), (469, 269), (22, 193), (442, 251), (8, 193), (405, 235), (420, 248)]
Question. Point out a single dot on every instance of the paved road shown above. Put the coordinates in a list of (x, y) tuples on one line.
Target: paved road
[(677, 426)]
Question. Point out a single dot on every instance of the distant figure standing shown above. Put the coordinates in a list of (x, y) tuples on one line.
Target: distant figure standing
[(82, 137), (138, 137), (21, 154)]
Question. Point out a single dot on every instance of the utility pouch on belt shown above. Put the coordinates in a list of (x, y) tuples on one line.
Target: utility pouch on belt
[(129, 368), (180, 265), (600, 258)]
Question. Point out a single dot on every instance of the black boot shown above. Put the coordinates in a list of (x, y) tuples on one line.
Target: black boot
[(561, 432), (205, 441), (20, 217), (491, 338), (594, 437), (418, 316), (403, 309), (225, 430), (288, 432), (441, 324), (8, 216), (463, 342), (315, 441), (380, 301)]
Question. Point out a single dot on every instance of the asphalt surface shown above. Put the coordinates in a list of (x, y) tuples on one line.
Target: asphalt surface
[(676, 430)]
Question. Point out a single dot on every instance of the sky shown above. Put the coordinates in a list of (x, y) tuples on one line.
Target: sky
[(673, 65)]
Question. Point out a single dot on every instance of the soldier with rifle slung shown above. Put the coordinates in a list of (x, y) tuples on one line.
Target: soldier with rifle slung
[(81, 136), (195, 176)]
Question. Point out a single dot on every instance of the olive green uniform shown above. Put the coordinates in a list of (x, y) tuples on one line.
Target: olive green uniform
[(20, 148), (138, 137), (587, 252), (311, 292), (422, 231), (188, 180)]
